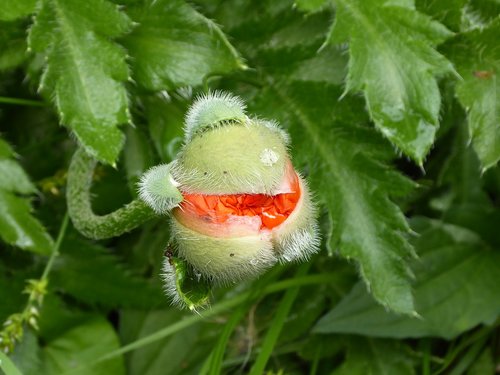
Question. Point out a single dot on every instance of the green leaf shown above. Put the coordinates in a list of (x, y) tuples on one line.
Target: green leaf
[(13, 9), (75, 273), (12, 44), (311, 5), (7, 365), (448, 12), (171, 355), (81, 346), (394, 63), (456, 289), (26, 354), (165, 119), (85, 70), (348, 169), (483, 365), (375, 356), (6, 150), (19, 228), (14, 178), (176, 46), (479, 13), (137, 156), (476, 55)]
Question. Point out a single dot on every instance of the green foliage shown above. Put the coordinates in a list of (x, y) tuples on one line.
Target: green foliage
[(403, 99), (373, 356), (88, 90), (476, 55), (355, 184), (75, 273), (12, 45), (393, 111), (455, 290), (17, 226), (81, 345), (173, 32), (13, 9)]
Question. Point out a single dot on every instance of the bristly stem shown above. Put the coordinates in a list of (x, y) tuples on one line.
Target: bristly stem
[(84, 219)]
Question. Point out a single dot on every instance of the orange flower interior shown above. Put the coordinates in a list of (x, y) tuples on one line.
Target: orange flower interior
[(273, 210)]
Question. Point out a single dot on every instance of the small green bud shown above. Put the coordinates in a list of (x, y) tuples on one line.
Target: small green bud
[(211, 110)]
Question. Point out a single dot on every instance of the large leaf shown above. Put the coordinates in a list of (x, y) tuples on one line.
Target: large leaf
[(81, 346), (348, 169), (477, 58), (176, 46), (93, 275), (12, 9), (17, 226), (456, 289), (366, 356), (393, 62), (85, 70)]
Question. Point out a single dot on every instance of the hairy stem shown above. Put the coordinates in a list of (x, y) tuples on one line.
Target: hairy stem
[(84, 219)]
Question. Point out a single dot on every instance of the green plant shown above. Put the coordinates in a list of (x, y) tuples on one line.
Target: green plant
[(392, 108)]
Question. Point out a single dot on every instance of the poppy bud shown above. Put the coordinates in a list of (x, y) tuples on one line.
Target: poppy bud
[(243, 206)]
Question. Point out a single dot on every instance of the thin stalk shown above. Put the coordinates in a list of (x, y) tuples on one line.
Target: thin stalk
[(19, 101)]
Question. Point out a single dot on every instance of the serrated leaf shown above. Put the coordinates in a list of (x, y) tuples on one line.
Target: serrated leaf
[(449, 12), (13, 9), (394, 63), (85, 70), (176, 46), (82, 345), (456, 289), (375, 356), (91, 274), (348, 169), (476, 55), (479, 13)]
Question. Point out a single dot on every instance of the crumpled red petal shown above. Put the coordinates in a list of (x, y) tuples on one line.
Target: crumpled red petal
[(273, 210)]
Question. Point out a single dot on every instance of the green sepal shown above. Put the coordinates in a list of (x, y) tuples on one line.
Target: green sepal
[(184, 285), (158, 190)]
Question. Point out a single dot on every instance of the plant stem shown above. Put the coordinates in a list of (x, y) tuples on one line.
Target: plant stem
[(57, 246), (84, 219), (19, 101)]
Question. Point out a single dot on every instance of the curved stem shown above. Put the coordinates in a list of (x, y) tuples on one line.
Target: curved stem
[(84, 219)]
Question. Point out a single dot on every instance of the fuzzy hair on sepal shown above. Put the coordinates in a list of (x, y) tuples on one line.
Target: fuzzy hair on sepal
[(184, 287), (158, 189), (211, 109)]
